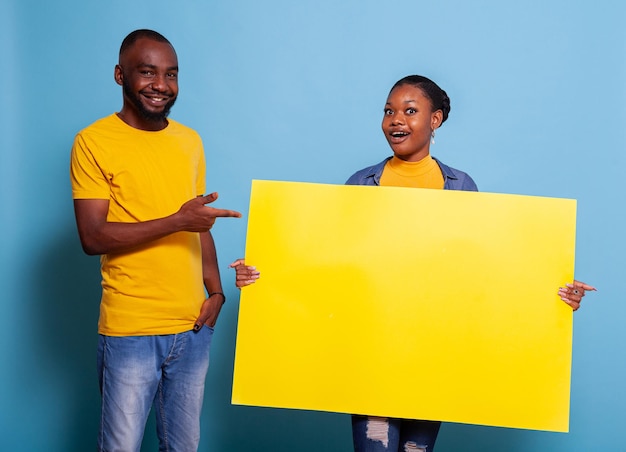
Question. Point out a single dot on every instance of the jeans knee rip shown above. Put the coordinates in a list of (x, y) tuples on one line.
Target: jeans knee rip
[(410, 446), (378, 430)]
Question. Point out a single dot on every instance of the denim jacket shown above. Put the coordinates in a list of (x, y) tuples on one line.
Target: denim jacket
[(453, 179)]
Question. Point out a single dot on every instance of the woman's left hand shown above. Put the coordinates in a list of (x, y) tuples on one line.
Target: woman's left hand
[(573, 293), (245, 274)]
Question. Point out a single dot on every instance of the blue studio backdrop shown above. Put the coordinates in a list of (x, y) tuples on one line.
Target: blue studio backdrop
[(294, 90)]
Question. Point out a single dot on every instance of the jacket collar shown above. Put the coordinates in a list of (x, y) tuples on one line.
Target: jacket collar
[(377, 170)]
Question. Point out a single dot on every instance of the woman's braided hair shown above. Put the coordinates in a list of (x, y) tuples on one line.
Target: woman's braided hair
[(439, 100)]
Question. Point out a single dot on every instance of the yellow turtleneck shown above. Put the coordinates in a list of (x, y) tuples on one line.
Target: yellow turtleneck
[(423, 174)]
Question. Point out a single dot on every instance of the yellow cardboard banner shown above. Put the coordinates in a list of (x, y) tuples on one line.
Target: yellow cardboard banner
[(408, 303)]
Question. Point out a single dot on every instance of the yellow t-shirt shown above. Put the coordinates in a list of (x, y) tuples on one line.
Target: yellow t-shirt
[(423, 174), (156, 288)]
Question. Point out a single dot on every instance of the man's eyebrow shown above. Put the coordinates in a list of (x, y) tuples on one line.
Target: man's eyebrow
[(154, 66)]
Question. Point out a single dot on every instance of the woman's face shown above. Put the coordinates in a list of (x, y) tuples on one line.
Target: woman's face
[(408, 122)]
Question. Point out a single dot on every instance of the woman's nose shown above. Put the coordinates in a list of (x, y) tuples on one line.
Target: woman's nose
[(397, 119)]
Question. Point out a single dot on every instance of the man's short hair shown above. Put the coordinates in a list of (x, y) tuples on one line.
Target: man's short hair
[(133, 36)]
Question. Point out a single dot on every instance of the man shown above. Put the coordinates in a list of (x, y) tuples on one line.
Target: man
[(138, 184)]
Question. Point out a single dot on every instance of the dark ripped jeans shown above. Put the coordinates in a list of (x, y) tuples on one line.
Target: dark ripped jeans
[(380, 434)]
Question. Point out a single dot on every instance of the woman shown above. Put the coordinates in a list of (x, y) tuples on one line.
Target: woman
[(415, 108)]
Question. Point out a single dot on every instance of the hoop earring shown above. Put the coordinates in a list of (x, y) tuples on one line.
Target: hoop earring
[(432, 137)]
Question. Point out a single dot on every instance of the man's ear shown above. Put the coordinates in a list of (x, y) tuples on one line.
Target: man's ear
[(118, 75)]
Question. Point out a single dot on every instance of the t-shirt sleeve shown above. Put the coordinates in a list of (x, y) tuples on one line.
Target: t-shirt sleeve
[(86, 174)]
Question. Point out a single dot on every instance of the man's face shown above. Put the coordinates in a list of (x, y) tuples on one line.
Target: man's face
[(148, 73)]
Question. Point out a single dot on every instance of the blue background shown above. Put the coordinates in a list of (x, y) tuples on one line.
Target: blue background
[(294, 90)]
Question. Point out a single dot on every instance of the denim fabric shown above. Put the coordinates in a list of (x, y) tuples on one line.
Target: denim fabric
[(400, 435), (375, 434), (453, 178), (136, 372)]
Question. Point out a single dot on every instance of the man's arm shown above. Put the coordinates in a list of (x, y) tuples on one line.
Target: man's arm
[(99, 236), (211, 307)]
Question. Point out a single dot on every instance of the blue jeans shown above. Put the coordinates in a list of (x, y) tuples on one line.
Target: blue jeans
[(380, 434), (137, 372)]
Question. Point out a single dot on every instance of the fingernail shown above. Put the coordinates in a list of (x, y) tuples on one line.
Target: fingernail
[(196, 327)]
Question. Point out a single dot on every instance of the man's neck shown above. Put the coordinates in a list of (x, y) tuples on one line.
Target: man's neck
[(149, 125)]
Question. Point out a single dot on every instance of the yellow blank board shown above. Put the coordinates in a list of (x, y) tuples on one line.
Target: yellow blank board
[(408, 303)]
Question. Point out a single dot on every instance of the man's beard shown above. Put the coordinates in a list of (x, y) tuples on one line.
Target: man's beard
[(147, 114)]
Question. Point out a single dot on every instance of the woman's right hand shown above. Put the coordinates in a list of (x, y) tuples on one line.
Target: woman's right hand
[(245, 274), (573, 293)]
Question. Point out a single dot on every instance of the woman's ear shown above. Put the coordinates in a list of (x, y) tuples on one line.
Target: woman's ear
[(436, 119)]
